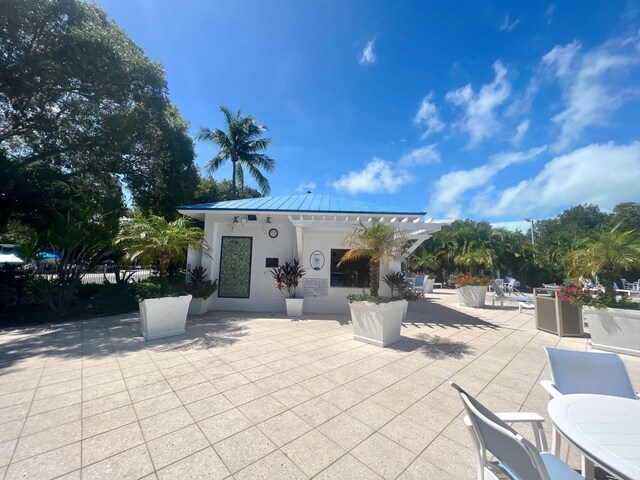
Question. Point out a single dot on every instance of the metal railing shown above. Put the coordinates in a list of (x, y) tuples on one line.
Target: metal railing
[(103, 273)]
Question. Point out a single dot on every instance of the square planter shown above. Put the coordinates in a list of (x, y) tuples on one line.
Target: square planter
[(377, 324), (199, 306), (428, 288), (164, 317), (294, 306), (557, 317), (472, 296), (614, 329)]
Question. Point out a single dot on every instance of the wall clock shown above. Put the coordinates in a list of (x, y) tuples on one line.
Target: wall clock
[(273, 233)]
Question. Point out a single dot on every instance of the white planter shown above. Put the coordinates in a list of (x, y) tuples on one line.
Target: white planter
[(294, 306), (428, 287), (199, 306), (404, 310), (164, 317), (614, 329), (377, 324), (472, 296)]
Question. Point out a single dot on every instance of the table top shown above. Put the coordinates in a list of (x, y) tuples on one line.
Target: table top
[(606, 429)]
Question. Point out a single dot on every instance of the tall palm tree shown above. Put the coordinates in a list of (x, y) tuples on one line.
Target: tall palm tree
[(241, 142), (153, 239), (379, 243), (606, 253)]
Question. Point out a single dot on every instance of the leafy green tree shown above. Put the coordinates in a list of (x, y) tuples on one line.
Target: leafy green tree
[(241, 143), (378, 242), (78, 97), (153, 238), (210, 191), (627, 215), (607, 253)]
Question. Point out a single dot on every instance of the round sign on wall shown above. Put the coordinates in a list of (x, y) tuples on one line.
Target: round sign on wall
[(316, 260)]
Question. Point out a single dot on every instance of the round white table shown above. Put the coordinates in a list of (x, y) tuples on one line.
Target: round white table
[(606, 429)]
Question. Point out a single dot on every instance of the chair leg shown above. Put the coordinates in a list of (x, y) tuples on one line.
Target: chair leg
[(588, 469), (555, 441)]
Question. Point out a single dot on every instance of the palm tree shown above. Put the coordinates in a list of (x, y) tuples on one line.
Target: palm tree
[(606, 253), (241, 142), (379, 243), (424, 260), (153, 239), (473, 256)]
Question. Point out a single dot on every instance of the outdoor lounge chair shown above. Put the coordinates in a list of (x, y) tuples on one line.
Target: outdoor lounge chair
[(516, 457), (585, 372), (499, 294), (420, 283)]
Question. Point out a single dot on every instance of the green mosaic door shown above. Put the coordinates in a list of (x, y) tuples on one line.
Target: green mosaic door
[(235, 267)]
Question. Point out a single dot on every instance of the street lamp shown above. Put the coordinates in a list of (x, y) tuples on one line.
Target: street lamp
[(533, 240)]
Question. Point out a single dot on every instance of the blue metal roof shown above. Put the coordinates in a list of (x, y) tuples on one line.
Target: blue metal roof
[(305, 202)]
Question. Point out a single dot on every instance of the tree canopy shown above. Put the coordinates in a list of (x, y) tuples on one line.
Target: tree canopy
[(81, 102)]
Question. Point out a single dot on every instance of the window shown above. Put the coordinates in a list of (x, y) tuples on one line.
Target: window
[(349, 274)]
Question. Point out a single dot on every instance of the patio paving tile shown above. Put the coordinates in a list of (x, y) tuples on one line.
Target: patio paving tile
[(109, 443), (385, 457), (31, 445), (274, 465), (224, 425), (204, 465), (313, 452), (176, 445), (345, 430), (132, 463), (347, 467), (316, 403), (243, 448), (46, 466)]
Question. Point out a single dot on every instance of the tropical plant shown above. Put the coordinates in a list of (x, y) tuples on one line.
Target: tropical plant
[(198, 285), (473, 256), (395, 282), (424, 261), (607, 253), (241, 143), (287, 277), (152, 238), (377, 242), (469, 280)]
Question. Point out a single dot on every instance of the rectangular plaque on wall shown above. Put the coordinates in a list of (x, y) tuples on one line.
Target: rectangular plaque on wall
[(271, 262), (317, 287)]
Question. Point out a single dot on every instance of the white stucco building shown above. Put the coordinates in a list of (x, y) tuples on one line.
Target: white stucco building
[(248, 237)]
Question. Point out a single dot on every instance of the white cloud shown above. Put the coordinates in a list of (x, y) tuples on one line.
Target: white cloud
[(427, 116), (305, 187), (368, 56), (421, 156), (599, 173), (513, 225), (378, 176), (450, 188), (521, 131), (479, 119), (507, 25), (594, 84), (548, 13)]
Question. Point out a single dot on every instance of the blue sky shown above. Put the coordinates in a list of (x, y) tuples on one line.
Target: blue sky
[(494, 111)]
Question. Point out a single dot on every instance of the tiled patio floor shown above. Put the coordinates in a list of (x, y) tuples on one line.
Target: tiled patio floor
[(264, 397)]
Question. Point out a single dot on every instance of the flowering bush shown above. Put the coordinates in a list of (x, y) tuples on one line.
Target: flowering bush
[(468, 280), (575, 295)]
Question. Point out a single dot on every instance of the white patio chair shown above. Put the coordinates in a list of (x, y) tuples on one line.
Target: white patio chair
[(420, 283), (585, 372), (499, 294), (516, 457)]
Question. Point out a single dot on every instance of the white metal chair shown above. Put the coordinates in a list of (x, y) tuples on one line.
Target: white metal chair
[(516, 457), (499, 294), (420, 283), (585, 372)]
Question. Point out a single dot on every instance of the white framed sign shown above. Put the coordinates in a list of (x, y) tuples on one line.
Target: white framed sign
[(316, 260)]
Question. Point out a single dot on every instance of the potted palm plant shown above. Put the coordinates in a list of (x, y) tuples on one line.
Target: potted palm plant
[(163, 310), (614, 324), (376, 320), (471, 289), (200, 289), (287, 277), (398, 287)]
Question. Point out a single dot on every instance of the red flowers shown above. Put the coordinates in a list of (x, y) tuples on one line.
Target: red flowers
[(468, 280), (575, 295)]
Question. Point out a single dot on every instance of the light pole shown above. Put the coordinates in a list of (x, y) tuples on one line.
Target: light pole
[(533, 240)]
